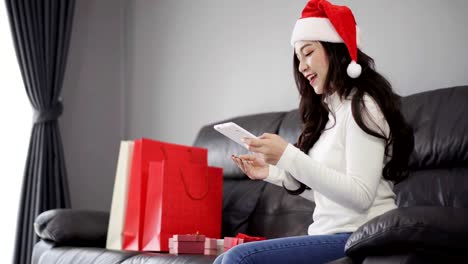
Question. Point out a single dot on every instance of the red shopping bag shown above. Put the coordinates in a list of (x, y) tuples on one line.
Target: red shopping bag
[(145, 151), (181, 199)]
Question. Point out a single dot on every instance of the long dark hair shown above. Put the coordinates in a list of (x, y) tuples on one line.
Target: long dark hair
[(314, 111)]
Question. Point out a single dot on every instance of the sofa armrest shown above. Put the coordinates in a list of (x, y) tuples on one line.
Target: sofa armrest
[(412, 229), (73, 227)]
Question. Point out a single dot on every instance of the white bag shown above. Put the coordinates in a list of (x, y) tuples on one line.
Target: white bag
[(119, 197)]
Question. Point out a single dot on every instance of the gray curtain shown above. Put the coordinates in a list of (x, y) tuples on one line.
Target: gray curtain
[(41, 34)]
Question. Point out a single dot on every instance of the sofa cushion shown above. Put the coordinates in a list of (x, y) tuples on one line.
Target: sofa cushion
[(291, 126), (39, 248), (414, 258), (434, 116), (435, 229), (73, 227), (157, 258), (447, 187), (240, 198), (67, 255), (71, 255), (279, 214)]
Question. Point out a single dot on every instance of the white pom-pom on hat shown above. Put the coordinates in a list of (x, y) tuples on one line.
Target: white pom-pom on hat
[(354, 70)]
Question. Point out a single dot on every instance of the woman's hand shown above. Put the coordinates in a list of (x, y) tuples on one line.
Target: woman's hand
[(271, 147), (252, 165)]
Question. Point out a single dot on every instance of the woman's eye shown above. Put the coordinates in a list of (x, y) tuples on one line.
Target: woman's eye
[(309, 53)]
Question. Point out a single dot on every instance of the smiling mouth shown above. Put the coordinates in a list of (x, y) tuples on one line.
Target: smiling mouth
[(311, 78)]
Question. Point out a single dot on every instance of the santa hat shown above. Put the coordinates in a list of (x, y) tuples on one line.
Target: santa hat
[(323, 21)]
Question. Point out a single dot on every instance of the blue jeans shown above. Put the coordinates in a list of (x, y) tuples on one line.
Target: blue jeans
[(301, 249)]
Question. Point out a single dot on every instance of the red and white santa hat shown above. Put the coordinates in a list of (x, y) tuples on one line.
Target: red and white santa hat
[(323, 21)]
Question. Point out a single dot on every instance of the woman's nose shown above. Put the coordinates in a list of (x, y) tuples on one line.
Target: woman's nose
[(302, 67)]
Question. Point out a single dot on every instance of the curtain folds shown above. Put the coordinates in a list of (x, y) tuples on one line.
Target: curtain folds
[(41, 33)]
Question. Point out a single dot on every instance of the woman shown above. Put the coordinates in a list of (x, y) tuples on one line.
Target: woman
[(354, 144)]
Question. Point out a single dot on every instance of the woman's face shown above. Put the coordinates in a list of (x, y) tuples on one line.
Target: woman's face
[(313, 63)]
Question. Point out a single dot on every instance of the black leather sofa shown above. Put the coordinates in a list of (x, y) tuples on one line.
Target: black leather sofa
[(430, 225)]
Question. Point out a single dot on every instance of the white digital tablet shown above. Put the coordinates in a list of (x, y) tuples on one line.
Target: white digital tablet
[(234, 132)]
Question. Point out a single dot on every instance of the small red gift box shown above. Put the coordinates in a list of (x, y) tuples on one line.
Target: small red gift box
[(171, 246), (187, 244), (230, 242), (211, 246), (220, 244)]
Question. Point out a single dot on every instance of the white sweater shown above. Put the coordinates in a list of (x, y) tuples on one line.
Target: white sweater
[(343, 169)]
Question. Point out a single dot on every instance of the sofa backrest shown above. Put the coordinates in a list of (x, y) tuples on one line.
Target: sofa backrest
[(439, 165), (439, 162)]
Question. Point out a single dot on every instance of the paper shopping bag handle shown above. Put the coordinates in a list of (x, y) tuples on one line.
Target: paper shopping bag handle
[(201, 197)]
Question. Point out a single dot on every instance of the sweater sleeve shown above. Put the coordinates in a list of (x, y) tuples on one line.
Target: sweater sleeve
[(279, 177), (355, 188)]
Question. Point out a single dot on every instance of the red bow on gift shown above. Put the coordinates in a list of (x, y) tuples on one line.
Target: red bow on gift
[(249, 238)]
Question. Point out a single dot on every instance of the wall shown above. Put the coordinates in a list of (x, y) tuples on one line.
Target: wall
[(419, 45), (190, 63), (92, 123), (194, 62)]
